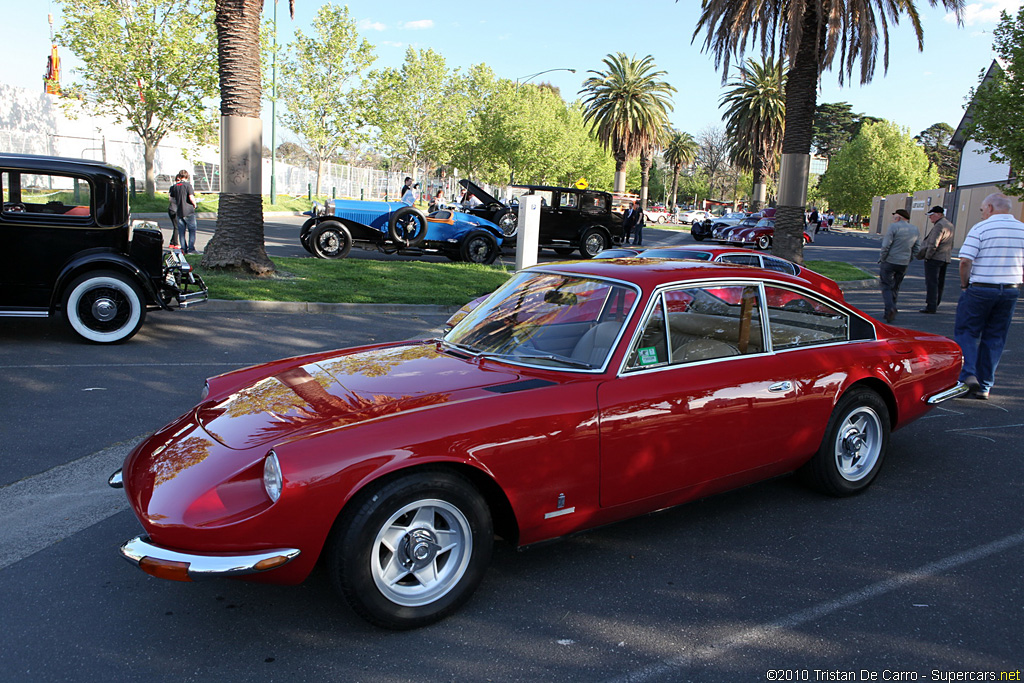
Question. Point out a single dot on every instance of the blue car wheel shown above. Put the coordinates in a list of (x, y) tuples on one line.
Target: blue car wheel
[(331, 239), (407, 227)]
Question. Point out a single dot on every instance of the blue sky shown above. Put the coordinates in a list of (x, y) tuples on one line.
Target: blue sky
[(521, 38)]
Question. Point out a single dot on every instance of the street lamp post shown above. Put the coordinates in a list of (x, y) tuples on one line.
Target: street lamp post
[(273, 117)]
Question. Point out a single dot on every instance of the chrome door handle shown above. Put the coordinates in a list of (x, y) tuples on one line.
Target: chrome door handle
[(780, 386)]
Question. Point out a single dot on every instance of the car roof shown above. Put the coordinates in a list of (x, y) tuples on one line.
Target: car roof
[(650, 273), (553, 188), (36, 162)]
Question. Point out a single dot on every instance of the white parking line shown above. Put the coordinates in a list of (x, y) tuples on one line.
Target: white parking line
[(47, 508), (761, 634)]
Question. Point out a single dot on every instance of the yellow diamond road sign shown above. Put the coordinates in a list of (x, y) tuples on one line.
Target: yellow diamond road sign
[(582, 184)]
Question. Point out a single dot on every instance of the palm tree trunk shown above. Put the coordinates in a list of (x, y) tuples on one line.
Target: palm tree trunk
[(801, 100), (759, 190), (646, 161), (675, 188), (238, 242), (620, 170)]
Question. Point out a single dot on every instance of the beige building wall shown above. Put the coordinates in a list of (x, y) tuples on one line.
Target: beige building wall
[(968, 210), (919, 205), (877, 211), (882, 208)]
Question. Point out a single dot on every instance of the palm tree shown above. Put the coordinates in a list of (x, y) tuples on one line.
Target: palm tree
[(238, 242), (755, 119), (654, 143), (810, 34), (680, 151), (627, 107)]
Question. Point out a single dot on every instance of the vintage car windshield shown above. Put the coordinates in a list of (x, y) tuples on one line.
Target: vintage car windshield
[(548, 319)]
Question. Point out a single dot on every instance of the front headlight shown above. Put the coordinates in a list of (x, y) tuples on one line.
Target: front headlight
[(273, 481), (329, 207)]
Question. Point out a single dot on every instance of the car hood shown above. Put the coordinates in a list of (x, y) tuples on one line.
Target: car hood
[(478, 192), (341, 390)]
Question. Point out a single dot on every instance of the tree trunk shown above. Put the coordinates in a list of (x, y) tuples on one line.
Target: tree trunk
[(238, 242), (149, 153), (801, 99), (675, 188), (646, 161), (759, 190), (620, 170)]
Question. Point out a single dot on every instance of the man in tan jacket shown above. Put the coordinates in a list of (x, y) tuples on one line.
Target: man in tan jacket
[(936, 252)]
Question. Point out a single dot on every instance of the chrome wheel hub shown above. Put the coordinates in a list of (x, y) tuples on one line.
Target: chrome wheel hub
[(104, 309), (858, 444)]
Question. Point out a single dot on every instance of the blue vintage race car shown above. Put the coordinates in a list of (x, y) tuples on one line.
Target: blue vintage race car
[(395, 227)]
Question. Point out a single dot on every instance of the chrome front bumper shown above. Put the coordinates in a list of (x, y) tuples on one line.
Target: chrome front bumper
[(959, 390), (144, 554)]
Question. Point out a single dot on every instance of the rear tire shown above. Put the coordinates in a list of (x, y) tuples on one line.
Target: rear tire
[(854, 446), (479, 247), (411, 551)]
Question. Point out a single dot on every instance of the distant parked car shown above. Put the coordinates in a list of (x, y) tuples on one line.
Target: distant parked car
[(694, 216), (657, 214), (396, 227), (760, 235), (70, 246)]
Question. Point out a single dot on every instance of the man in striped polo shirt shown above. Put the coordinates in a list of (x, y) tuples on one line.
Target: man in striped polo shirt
[(991, 271)]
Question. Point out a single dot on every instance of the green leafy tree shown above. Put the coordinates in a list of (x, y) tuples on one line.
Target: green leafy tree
[(997, 104), (883, 159), (812, 35), (835, 124), (149, 64), (755, 116), (935, 140), (321, 85), (680, 151), (411, 108), (627, 105)]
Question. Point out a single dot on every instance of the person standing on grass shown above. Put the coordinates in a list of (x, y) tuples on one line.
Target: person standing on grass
[(991, 272)]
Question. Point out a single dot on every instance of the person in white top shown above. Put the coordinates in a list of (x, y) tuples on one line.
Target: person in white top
[(409, 196), (991, 272)]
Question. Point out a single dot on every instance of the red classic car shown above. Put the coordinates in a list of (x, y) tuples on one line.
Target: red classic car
[(557, 405)]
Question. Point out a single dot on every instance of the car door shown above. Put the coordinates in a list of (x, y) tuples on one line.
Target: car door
[(699, 397), (46, 219)]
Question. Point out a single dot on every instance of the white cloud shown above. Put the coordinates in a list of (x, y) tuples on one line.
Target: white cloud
[(418, 25), (370, 25), (392, 43), (986, 11)]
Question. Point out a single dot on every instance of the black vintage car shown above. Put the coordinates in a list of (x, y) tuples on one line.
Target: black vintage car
[(570, 219), (69, 245)]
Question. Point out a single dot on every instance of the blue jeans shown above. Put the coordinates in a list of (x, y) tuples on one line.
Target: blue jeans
[(188, 239), (983, 317), (638, 235)]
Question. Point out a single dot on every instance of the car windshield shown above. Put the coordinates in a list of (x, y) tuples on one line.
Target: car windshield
[(766, 223), (548, 319)]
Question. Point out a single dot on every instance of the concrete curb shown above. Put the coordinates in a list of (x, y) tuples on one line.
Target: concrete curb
[(227, 306)]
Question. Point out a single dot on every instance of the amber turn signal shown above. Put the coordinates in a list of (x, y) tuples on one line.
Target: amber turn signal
[(270, 563), (165, 569)]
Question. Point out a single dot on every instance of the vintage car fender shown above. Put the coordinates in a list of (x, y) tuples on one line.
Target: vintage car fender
[(98, 259)]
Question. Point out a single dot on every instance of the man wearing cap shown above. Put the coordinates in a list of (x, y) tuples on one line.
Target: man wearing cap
[(899, 246), (991, 271), (936, 251)]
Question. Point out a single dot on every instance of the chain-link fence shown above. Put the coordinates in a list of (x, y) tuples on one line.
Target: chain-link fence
[(337, 180)]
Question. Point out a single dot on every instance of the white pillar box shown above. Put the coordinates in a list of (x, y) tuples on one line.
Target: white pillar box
[(527, 243)]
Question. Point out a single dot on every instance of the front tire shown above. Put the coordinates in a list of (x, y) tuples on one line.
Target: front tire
[(412, 551), (330, 239), (593, 242), (764, 241), (304, 233), (508, 221), (479, 247), (854, 446), (104, 307)]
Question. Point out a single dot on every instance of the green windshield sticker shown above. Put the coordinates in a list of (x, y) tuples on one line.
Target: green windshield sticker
[(648, 355)]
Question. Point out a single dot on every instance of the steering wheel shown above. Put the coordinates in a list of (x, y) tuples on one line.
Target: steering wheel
[(14, 207)]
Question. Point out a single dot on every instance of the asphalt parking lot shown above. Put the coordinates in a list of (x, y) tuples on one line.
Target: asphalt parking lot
[(920, 575)]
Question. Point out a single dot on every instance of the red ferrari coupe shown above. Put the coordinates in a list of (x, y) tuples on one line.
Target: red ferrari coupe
[(561, 403)]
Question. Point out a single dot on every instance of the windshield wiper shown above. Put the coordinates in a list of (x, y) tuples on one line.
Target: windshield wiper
[(571, 362), (465, 348)]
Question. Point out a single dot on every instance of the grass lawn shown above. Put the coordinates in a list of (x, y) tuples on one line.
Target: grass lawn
[(368, 281), (838, 271), (359, 281)]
